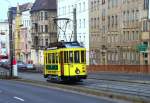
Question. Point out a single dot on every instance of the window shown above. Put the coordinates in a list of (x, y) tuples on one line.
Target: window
[(49, 58), (116, 23), (83, 6), (84, 23), (80, 23), (66, 57), (46, 59), (112, 21), (92, 6), (77, 57), (103, 1), (128, 17), (46, 15), (146, 4), (137, 15), (46, 42), (53, 58), (92, 23), (41, 15), (108, 21), (133, 38), (79, 7), (82, 56), (46, 28), (70, 56), (41, 29)]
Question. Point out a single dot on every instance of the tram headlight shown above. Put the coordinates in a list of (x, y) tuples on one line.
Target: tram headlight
[(77, 71)]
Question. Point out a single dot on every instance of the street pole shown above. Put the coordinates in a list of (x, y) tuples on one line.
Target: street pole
[(75, 24), (10, 18)]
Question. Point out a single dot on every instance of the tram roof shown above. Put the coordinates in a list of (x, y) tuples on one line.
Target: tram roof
[(65, 45)]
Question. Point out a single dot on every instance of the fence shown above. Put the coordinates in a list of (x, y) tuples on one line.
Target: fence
[(120, 68), (4, 75)]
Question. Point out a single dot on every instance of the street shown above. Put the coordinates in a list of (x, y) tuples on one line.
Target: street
[(118, 83), (128, 84), (15, 92)]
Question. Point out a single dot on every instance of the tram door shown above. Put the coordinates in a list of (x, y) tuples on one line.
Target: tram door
[(62, 63), (70, 65)]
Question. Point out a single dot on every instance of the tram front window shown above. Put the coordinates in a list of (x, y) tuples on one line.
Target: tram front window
[(83, 57), (77, 57)]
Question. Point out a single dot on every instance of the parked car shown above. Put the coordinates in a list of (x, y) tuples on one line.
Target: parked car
[(30, 66), (6, 65), (21, 65)]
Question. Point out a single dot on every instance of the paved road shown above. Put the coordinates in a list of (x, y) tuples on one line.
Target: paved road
[(142, 90), (15, 92)]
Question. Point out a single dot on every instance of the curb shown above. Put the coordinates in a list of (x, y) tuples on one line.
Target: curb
[(127, 81), (77, 89)]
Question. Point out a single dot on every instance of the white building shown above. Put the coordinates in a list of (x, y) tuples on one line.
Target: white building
[(65, 10), (4, 36)]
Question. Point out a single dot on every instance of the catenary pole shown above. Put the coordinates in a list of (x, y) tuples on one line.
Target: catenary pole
[(10, 18)]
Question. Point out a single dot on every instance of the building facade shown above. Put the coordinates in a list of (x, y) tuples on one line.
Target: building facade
[(4, 37), (43, 30), (121, 31), (25, 32), (66, 33)]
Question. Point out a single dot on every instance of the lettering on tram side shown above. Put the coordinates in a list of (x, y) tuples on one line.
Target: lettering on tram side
[(53, 72)]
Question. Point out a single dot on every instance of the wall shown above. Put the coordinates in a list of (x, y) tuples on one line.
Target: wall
[(120, 68)]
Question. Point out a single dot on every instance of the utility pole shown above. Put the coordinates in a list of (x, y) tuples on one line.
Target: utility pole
[(75, 24), (10, 18)]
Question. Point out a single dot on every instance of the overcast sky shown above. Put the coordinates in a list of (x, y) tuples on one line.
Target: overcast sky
[(5, 4)]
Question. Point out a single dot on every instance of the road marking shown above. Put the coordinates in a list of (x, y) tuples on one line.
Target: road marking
[(19, 99)]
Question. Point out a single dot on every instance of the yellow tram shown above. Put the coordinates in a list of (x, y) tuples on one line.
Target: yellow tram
[(65, 61)]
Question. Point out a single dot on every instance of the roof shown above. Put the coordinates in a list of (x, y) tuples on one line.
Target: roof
[(25, 7), (64, 45), (44, 5), (14, 11)]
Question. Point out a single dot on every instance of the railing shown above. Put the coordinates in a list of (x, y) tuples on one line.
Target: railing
[(4, 75)]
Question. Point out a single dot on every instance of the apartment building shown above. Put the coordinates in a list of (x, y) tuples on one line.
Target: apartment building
[(65, 10), (123, 27), (43, 29), (4, 37), (25, 34)]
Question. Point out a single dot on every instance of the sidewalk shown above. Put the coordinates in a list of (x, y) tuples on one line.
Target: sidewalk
[(141, 78)]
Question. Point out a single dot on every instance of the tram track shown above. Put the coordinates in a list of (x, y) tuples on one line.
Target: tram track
[(127, 81), (118, 86)]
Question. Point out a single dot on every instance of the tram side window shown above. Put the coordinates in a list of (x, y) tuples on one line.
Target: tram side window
[(56, 56), (82, 56), (71, 56), (53, 58), (66, 56), (46, 58), (49, 58), (77, 57)]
